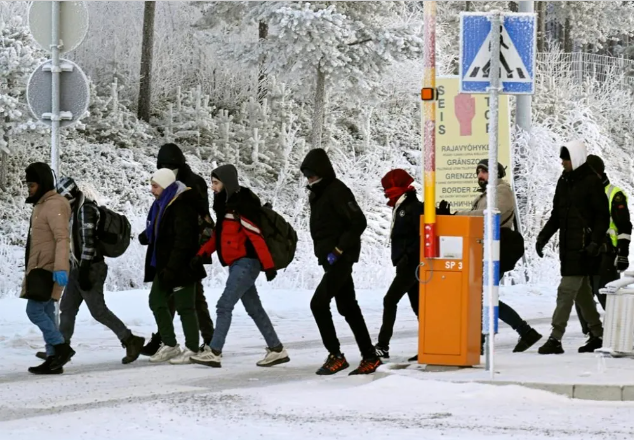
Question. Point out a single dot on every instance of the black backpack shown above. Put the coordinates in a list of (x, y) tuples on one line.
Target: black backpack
[(113, 233), (279, 235)]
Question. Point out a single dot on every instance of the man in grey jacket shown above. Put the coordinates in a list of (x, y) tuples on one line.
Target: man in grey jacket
[(511, 245)]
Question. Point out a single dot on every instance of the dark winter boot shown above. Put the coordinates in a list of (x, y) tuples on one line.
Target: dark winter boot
[(153, 346), (41, 355), (45, 368), (63, 353), (334, 364), (133, 346), (552, 346), (367, 366), (413, 359), (382, 352), (594, 343), (527, 341)]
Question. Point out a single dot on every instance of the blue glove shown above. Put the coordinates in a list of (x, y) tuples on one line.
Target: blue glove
[(334, 256), (61, 277)]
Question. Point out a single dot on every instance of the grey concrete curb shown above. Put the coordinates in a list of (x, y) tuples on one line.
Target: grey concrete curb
[(612, 393)]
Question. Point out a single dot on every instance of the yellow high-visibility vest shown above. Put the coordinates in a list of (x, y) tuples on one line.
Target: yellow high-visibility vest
[(613, 232)]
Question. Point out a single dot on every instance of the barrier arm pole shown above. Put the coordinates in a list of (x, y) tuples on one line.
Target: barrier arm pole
[(428, 130), (55, 98), (492, 214)]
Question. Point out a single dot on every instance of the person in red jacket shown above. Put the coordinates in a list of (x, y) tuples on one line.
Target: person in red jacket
[(239, 244)]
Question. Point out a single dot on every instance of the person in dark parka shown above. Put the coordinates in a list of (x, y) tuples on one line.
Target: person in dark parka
[(616, 248), (405, 240), (582, 217), (172, 239), (336, 225), (171, 157)]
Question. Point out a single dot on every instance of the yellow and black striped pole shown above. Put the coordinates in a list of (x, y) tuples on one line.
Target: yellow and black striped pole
[(428, 128)]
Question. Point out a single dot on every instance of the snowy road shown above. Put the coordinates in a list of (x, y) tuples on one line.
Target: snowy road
[(99, 398)]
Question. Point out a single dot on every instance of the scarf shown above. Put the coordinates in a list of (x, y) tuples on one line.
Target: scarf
[(154, 217), (395, 193)]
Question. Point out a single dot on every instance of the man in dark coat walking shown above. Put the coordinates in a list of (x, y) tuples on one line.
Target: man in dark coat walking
[(336, 225), (616, 248), (172, 239), (582, 217), (171, 157)]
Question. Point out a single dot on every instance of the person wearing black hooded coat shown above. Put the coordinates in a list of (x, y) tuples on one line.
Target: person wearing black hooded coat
[(170, 156), (581, 216), (336, 226)]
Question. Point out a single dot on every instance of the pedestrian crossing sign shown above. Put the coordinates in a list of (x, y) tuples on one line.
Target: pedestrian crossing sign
[(517, 53)]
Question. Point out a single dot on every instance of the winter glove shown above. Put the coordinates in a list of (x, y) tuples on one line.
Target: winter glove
[(84, 276), (334, 256), (593, 249), (270, 274), (197, 262), (143, 239), (60, 277), (621, 263), (167, 278), (444, 208), (402, 264), (539, 247)]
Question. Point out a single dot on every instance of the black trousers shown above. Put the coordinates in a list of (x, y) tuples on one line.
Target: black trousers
[(405, 282), (337, 283)]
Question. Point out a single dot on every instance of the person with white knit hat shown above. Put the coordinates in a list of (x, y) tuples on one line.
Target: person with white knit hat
[(172, 238)]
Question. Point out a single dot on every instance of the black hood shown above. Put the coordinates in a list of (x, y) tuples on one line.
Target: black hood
[(228, 175), (318, 162), (170, 156), (40, 173)]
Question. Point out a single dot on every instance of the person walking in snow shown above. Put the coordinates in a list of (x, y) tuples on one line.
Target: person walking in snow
[(88, 273), (239, 244), (336, 225), (582, 217), (405, 240), (47, 264), (616, 246), (171, 157), (511, 246), (172, 239)]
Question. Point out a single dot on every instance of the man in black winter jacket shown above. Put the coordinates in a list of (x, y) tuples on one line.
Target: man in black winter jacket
[(336, 225), (581, 215), (170, 156), (616, 248)]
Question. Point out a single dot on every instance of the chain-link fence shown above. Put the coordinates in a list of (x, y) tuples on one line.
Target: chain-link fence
[(584, 66)]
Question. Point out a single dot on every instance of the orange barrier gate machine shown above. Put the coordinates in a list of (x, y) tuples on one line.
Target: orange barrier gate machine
[(450, 311)]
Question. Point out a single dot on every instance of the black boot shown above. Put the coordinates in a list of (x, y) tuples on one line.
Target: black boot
[(153, 346), (45, 368), (63, 353), (133, 346), (413, 359), (552, 346), (594, 343), (527, 341)]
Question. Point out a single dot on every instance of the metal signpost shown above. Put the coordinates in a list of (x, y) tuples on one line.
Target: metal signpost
[(497, 55), (58, 91)]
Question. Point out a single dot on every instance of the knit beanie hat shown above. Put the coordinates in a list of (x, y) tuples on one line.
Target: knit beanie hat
[(484, 164), (164, 177)]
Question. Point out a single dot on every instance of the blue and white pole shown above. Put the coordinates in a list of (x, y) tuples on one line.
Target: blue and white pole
[(491, 283), (492, 215)]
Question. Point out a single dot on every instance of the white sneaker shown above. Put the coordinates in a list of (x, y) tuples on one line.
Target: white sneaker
[(208, 358), (165, 353), (274, 358), (183, 358), (204, 349)]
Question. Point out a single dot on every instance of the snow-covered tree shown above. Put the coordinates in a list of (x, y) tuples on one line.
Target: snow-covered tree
[(18, 58), (344, 45)]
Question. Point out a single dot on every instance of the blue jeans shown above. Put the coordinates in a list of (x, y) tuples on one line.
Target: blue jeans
[(241, 286), (42, 314)]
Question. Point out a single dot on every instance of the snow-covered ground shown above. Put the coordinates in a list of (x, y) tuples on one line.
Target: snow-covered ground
[(99, 398)]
